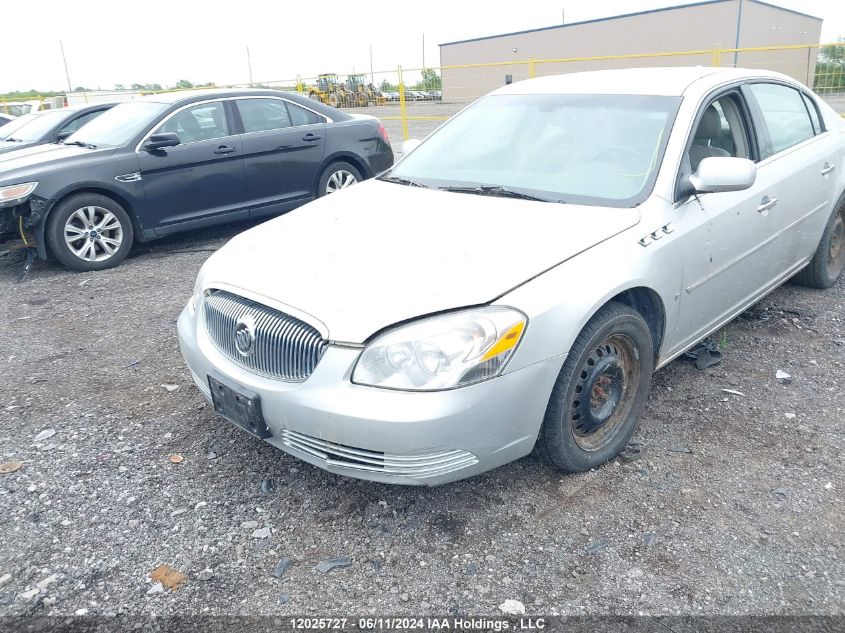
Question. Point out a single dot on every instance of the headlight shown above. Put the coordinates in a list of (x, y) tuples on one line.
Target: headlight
[(442, 352), (16, 193)]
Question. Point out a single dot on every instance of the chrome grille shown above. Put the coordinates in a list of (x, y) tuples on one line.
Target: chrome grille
[(418, 466), (284, 347)]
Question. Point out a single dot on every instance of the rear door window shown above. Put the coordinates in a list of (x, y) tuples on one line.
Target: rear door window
[(785, 115), (262, 115)]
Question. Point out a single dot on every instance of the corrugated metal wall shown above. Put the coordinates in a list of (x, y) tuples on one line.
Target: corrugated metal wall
[(695, 27)]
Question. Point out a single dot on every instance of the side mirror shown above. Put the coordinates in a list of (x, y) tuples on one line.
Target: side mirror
[(61, 136), (158, 141), (718, 174), (410, 145)]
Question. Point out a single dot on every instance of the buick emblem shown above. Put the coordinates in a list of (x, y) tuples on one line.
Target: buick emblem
[(245, 335)]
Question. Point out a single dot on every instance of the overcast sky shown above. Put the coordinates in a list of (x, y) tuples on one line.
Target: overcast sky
[(156, 41)]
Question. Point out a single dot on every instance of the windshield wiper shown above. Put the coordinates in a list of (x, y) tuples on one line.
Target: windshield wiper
[(81, 144), (13, 140), (401, 181), (497, 191)]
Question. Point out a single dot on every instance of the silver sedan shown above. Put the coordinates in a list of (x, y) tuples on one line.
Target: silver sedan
[(515, 280)]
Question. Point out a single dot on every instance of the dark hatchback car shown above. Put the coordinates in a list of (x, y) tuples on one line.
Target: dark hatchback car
[(47, 126), (174, 162)]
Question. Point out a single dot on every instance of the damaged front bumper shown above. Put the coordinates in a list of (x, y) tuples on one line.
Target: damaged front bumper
[(25, 221)]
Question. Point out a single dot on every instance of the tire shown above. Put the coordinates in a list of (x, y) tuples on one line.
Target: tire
[(613, 358), (69, 226), (338, 176), (828, 262)]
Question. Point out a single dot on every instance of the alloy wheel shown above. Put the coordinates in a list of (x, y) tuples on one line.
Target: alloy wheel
[(93, 234), (340, 179)]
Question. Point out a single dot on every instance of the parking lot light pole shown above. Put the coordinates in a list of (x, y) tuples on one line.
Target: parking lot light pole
[(64, 60), (249, 65)]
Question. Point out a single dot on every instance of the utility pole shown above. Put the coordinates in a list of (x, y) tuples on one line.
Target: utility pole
[(562, 17), (372, 75), (423, 50), (249, 65), (64, 59)]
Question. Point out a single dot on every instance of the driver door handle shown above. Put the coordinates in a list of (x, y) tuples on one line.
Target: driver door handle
[(827, 168), (767, 204), (311, 137), (224, 149)]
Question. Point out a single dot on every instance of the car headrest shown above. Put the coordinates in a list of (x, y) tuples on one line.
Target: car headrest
[(710, 126)]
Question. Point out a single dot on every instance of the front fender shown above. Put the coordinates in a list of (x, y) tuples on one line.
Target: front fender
[(561, 301)]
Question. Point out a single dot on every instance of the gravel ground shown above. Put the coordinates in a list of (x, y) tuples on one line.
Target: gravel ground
[(734, 505)]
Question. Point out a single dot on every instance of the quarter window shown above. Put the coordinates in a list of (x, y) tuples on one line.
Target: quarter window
[(301, 116), (785, 113), (200, 123), (261, 115)]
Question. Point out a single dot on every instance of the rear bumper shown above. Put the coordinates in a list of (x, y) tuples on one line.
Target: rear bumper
[(383, 435)]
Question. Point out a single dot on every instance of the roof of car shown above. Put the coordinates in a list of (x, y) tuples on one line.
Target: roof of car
[(81, 107), (669, 81), (188, 96)]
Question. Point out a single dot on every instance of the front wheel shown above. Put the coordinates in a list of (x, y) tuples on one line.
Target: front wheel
[(88, 232), (600, 391), (336, 177), (829, 259)]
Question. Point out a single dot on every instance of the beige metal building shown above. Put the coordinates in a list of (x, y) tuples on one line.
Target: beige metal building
[(702, 26)]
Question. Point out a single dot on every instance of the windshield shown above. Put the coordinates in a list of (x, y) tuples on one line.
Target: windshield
[(585, 149), (118, 126), (9, 129), (39, 126)]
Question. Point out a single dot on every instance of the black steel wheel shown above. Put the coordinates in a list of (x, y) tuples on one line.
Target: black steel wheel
[(828, 262), (600, 392)]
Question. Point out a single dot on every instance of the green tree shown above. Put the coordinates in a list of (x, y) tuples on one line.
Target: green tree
[(184, 84), (430, 80), (386, 86)]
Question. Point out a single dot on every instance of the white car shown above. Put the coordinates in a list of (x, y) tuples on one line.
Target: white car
[(514, 281)]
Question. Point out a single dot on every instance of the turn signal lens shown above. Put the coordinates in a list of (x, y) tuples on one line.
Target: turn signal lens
[(17, 193)]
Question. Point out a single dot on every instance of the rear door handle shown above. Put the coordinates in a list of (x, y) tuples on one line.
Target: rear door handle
[(224, 149), (767, 204), (311, 137), (827, 169)]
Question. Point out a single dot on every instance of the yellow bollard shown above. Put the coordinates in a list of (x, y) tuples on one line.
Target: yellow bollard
[(532, 69), (717, 57), (403, 112)]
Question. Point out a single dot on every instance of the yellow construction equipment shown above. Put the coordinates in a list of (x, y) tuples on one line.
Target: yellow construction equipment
[(329, 90), (363, 93)]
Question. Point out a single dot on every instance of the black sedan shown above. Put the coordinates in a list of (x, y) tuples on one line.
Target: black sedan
[(174, 162), (47, 126)]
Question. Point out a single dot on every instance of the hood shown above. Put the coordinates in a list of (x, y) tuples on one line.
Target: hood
[(379, 253), (29, 162), (11, 146)]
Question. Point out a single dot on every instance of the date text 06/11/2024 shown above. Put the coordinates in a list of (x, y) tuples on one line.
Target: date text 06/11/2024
[(418, 624)]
